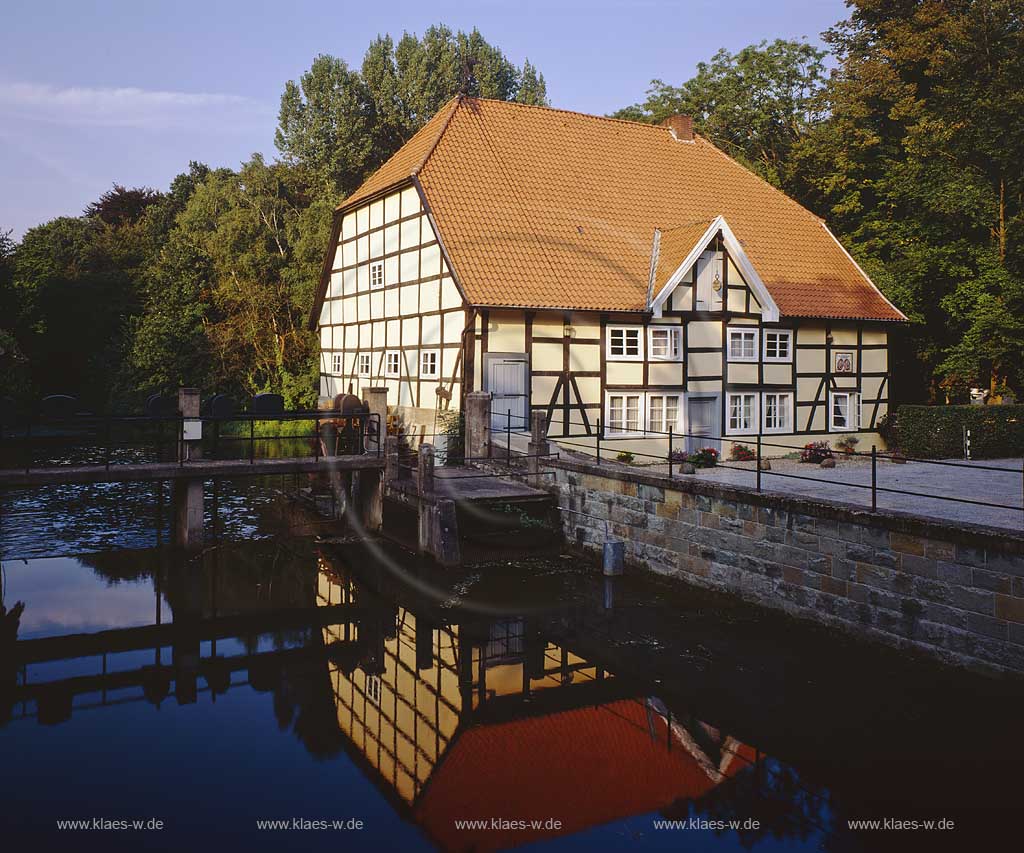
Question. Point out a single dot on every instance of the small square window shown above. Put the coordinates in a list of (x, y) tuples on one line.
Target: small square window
[(377, 274), (364, 364), (624, 343), (429, 364), (742, 344), (336, 362), (778, 345), (392, 362), (665, 344), (742, 413)]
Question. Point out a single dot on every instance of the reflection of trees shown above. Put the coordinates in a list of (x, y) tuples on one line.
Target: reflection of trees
[(9, 621), (785, 806)]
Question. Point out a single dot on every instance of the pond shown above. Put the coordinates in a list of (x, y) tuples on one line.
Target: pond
[(296, 687)]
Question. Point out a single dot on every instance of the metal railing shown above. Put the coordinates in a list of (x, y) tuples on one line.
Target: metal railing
[(674, 456), (104, 440)]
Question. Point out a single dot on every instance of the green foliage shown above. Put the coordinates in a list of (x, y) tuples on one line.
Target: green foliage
[(937, 432), (705, 457), (754, 104), (815, 452), (625, 457), (848, 443), (452, 425)]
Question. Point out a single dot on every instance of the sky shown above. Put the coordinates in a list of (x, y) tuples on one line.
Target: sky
[(96, 93)]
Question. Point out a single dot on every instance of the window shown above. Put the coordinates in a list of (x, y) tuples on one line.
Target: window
[(377, 274), (624, 343), (845, 411), (742, 413), (663, 412), (664, 343), (392, 362), (778, 345), (777, 412), (373, 688), (429, 360), (742, 344), (624, 414), (364, 364), (336, 362)]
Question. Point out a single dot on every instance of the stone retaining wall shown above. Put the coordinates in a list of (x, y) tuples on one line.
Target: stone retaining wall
[(954, 591)]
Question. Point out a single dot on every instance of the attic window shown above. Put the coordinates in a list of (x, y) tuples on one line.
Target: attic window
[(625, 343), (377, 274)]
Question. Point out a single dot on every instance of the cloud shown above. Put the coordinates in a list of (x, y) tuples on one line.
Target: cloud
[(126, 107)]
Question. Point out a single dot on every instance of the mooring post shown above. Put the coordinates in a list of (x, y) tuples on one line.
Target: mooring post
[(376, 401), (392, 460), (538, 448), (478, 424), (187, 495), (425, 469)]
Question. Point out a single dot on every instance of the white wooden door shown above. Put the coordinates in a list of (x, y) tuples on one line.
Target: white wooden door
[(709, 267), (702, 420), (508, 379)]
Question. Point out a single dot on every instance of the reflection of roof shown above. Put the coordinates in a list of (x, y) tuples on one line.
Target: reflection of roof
[(547, 208), (582, 767)]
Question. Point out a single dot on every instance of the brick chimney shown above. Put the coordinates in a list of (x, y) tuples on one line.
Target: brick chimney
[(681, 127)]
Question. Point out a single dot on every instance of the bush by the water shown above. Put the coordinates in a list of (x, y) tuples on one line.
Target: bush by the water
[(937, 432)]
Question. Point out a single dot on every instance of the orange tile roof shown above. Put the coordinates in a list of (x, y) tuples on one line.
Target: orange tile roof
[(674, 245), (543, 208)]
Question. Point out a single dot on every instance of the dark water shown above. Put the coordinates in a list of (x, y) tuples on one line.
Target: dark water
[(275, 677)]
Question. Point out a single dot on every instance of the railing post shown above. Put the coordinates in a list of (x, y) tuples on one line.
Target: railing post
[(317, 440), (181, 441), (508, 439), (874, 478), (758, 462), (599, 431), (252, 439), (670, 451)]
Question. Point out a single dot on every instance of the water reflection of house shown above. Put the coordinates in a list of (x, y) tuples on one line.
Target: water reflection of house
[(458, 724)]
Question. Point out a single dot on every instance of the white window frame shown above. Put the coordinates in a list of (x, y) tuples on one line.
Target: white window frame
[(436, 372), (745, 330), (377, 267), (610, 333), (666, 424), (336, 363), (675, 335), (853, 411), (754, 413), (788, 396), (641, 414), (396, 371), (788, 334), (364, 364)]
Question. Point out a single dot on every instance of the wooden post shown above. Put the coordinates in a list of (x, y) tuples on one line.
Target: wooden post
[(187, 495), (478, 424), (538, 446), (377, 402)]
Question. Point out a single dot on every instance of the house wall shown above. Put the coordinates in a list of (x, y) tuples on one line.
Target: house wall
[(415, 308), (574, 374)]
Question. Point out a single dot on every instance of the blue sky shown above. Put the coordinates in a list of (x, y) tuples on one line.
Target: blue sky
[(93, 93)]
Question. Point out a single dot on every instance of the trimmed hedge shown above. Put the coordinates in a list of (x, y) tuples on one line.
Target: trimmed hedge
[(937, 432)]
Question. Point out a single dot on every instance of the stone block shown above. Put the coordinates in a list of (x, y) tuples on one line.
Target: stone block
[(775, 534), (1016, 633), (651, 493), (954, 573), (939, 550), (907, 543), (789, 556), (970, 555), (989, 580), (803, 523), (976, 600), (1009, 607), (875, 536), (945, 615), (873, 576), (843, 570), (833, 586), (987, 626), (860, 553), (1007, 564), (709, 520), (887, 559), (821, 564), (920, 566)]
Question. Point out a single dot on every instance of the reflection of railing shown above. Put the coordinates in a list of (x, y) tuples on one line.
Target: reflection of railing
[(105, 440), (673, 456)]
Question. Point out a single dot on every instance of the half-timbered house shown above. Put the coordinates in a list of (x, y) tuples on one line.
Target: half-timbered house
[(598, 270)]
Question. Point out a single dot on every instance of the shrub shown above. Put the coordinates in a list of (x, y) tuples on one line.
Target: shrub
[(742, 453), (848, 443), (706, 457), (935, 432), (815, 452), (625, 457)]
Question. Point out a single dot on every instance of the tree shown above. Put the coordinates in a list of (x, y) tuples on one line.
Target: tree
[(918, 166), (755, 104), (122, 206)]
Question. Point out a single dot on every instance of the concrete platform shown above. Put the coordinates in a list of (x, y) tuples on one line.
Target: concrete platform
[(470, 485)]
